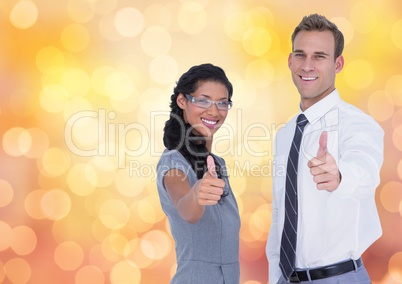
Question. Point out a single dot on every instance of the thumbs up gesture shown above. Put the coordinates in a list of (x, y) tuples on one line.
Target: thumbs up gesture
[(323, 167), (211, 187)]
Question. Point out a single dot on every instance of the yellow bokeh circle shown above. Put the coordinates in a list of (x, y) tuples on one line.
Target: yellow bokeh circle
[(346, 27), (257, 41), (68, 255), (7, 237), (391, 195), (397, 137), (54, 162), (396, 32), (114, 214), (258, 224), (82, 133), (33, 204), (107, 28), (140, 225), (89, 274), (103, 7), (82, 179), (129, 22), (235, 25), (113, 247), (24, 240), (56, 204), (358, 74), (17, 141), (399, 169), (18, 270), (149, 210), (76, 105), (97, 259), (6, 193), (394, 267), (2, 272), (99, 77), (260, 16), (380, 105), (24, 14), (125, 272), (80, 11), (363, 17), (155, 244), (75, 37), (192, 17), (50, 60), (76, 81), (393, 87), (53, 98)]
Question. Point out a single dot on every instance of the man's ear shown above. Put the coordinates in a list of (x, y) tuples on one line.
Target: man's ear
[(181, 101), (339, 62)]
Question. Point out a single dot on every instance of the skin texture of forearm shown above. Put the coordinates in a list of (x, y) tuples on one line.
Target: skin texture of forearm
[(188, 207)]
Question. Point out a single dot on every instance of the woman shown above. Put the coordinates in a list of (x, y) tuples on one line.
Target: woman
[(192, 182)]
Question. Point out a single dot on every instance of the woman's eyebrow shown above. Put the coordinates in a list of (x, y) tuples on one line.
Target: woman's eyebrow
[(209, 97)]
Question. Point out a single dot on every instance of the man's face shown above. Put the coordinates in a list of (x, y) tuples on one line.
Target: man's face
[(313, 65)]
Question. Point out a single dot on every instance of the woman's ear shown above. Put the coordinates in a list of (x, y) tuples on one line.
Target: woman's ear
[(181, 101)]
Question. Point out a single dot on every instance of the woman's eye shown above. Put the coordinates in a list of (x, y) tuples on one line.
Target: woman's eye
[(202, 101)]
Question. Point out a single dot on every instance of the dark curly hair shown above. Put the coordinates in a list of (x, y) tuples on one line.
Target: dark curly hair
[(177, 133)]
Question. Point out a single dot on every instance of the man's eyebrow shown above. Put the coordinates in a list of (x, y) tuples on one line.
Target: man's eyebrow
[(297, 51), (321, 53)]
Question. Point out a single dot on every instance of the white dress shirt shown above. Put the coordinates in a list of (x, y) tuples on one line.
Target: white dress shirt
[(332, 226)]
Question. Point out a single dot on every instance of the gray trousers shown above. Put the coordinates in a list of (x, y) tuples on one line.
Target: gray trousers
[(359, 276)]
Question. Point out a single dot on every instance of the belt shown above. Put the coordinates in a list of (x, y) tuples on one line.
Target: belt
[(326, 271)]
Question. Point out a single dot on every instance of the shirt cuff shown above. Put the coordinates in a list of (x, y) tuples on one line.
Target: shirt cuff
[(349, 181)]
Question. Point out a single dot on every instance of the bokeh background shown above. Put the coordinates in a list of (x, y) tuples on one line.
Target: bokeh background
[(85, 87)]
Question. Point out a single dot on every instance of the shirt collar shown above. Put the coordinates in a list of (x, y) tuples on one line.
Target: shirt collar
[(320, 108)]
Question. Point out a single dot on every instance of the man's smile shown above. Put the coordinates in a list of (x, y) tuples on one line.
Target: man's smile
[(308, 78)]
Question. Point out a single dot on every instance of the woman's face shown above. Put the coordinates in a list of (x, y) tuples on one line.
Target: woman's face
[(205, 122)]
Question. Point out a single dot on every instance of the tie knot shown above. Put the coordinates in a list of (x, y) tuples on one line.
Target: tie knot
[(302, 120)]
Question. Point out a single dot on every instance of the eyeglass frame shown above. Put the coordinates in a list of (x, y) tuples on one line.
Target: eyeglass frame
[(194, 100)]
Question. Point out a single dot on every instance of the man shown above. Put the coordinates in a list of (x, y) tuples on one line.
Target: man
[(324, 214)]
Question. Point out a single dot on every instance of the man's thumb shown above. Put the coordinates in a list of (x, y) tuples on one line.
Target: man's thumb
[(211, 166), (323, 144)]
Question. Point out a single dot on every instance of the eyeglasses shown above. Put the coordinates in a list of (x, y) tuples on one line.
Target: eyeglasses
[(204, 103)]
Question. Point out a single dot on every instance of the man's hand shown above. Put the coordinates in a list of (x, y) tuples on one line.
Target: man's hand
[(324, 168), (211, 187)]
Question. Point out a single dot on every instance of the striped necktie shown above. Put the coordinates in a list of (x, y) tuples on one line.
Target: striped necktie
[(289, 234)]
